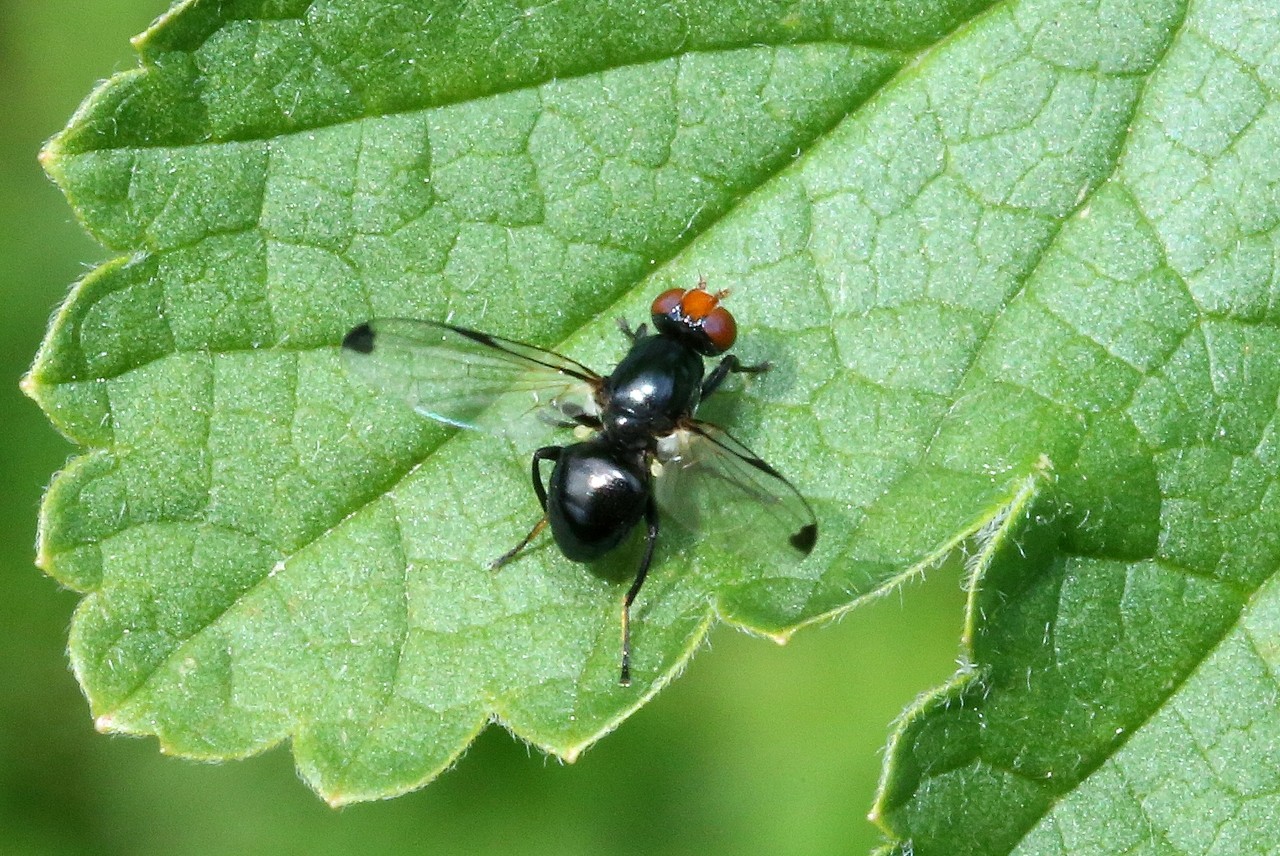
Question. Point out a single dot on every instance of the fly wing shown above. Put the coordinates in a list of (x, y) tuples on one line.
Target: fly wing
[(454, 375), (712, 482)]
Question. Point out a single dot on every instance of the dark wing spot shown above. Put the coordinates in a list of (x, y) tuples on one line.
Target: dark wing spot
[(359, 340), (805, 538)]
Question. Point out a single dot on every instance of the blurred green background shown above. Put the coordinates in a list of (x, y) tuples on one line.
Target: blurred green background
[(757, 749)]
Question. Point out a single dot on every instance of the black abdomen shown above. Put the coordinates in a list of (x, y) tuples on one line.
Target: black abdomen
[(596, 496)]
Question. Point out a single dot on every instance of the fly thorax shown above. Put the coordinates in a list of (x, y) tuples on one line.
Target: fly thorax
[(631, 430)]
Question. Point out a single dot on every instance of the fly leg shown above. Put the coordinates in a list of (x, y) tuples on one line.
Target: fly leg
[(730, 363), (571, 415), (546, 453), (635, 334), (651, 518)]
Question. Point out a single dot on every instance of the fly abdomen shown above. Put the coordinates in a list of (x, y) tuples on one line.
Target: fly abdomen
[(596, 496)]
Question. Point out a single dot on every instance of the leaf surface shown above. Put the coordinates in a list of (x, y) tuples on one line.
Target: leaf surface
[(1010, 264), (1120, 692)]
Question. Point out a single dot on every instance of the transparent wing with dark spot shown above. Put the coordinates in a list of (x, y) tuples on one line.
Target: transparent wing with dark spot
[(455, 375), (711, 482)]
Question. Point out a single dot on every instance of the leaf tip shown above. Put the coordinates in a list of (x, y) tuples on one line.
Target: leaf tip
[(28, 387), (50, 159), (336, 801)]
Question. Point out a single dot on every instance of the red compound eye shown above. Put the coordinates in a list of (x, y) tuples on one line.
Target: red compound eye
[(666, 302), (696, 317), (720, 328)]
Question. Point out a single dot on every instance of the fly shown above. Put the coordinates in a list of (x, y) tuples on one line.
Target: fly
[(642, 447)]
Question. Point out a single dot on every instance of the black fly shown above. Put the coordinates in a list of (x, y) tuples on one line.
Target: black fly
[(643, 447)]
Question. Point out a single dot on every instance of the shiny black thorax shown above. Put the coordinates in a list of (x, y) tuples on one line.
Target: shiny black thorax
[(657, 383)]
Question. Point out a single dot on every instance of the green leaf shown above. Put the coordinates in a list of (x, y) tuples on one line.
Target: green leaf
[(1014, 268), (1123, 646)]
